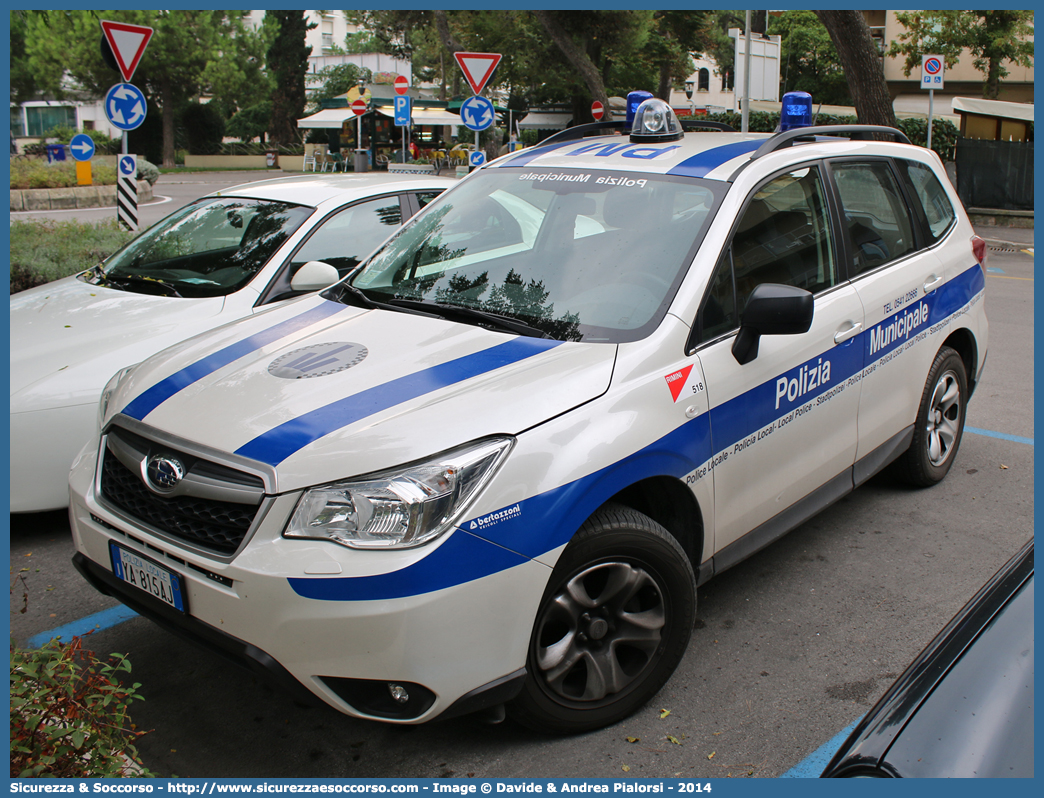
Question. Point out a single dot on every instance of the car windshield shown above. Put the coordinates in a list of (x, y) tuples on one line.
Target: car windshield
[(209, 248), (576, 255)]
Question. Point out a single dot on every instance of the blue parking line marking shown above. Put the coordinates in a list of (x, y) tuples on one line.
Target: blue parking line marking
[(92, 623), (994, 270), (1002, 435), (811, 766)]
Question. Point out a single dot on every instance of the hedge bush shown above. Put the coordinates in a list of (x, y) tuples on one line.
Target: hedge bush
[(103, 143), (944, 132), (42, 251), (27, 173)]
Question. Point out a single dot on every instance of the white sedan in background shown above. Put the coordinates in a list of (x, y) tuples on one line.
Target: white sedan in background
[(224, 257)]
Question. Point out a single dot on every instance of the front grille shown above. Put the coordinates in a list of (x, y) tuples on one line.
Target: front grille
[(219, 526)]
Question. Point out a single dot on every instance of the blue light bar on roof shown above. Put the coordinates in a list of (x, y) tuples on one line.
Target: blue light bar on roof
[(796, 111)]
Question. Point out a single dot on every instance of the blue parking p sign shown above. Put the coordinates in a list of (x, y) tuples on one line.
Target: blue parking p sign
[(403, 109)]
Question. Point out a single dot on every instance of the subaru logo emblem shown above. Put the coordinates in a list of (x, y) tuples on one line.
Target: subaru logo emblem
[(164, 472)]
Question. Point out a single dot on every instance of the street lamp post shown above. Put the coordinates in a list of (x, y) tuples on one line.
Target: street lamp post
[(689, 86)]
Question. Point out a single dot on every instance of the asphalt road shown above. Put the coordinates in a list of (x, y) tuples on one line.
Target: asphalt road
[(791, 646)]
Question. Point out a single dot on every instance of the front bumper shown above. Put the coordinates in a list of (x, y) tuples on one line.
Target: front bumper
[(463, 647)]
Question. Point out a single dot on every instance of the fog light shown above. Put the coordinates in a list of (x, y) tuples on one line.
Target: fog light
[(398, 692)]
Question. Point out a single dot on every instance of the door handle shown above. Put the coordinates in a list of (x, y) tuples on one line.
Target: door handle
[(849, 332), (931, 282)]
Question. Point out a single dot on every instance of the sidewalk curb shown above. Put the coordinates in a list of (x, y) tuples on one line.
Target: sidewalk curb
[(56, 199)]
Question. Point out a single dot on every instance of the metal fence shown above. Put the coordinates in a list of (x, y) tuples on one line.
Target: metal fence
[(995, 174)]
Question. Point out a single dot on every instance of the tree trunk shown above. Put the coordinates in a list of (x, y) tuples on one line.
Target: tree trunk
[(861, 63), (445, 34), (663, 88), (991, 88), (166, 95), (575, 56)]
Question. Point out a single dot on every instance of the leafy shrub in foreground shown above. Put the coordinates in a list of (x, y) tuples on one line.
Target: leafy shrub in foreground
[(69, 715)]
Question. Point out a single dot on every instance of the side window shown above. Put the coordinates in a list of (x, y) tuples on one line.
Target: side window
[(875, 214), (719, 308), (782, 237), (936, 204), (346, 238)]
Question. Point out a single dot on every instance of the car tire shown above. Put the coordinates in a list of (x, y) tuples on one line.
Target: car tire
[(612, 626), (939, 425)]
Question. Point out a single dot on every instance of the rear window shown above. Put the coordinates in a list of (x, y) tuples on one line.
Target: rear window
[(937, 206)]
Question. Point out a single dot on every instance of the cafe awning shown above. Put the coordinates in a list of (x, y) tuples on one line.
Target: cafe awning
[(327, 118), (425, 116), (536, 120)]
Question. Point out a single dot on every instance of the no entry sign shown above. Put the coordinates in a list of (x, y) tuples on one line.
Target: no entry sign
[(597, 110), (402, 85), (359, 107)]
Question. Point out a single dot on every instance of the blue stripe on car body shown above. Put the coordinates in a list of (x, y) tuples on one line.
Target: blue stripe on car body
[(697, 166), (678, 453), (707, 161), (152, 398), (277, 444)]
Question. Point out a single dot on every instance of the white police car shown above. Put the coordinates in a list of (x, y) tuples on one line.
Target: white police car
[(494, 463)]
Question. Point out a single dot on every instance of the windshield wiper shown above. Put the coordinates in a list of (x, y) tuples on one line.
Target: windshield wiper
[(93, 275), (128, 280), (484, 317), (361, 300)]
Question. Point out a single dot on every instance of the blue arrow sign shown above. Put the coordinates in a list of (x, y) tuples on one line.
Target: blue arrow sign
[(82, 147), (125, 106), (403, 109), (476, 158), (128, 165), (476, 113)]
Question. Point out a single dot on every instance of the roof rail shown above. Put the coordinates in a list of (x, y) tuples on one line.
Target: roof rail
[(854, 132), (689, 124), (579, 131)]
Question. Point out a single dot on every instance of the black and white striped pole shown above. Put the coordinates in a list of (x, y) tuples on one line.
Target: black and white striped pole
[(127, 190)]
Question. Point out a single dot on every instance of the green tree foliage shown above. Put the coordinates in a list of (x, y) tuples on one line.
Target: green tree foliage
[(23, 80), (809, 59), (994, 38), (251, 122), (288, 64), (64, 46), (204, 128), (338, 79), (549, 56)]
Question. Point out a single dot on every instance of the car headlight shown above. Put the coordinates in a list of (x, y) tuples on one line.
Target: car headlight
[(109, 391), (399, 509)]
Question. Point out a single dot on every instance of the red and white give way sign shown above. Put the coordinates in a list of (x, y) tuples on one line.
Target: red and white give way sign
[(597, 109), (359, 107)]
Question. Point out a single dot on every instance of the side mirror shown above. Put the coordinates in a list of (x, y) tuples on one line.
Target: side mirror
[(772, 309), (314, 276)]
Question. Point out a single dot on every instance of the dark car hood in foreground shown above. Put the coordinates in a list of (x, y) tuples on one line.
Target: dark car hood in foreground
[(964, 707)]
